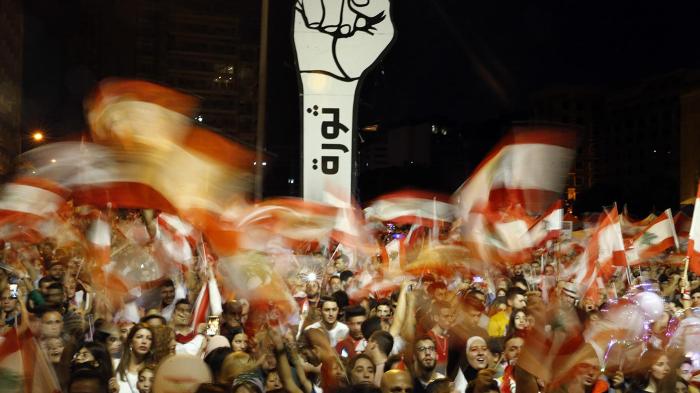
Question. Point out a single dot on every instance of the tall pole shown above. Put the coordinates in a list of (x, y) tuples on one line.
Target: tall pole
[(262, 100)]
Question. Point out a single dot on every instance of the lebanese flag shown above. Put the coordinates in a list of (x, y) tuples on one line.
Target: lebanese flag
[(175, 239), (694, 238), (605, 251), (99, 239), (656, 238), (24, 366), (682, 222), (27, 201), (631, 227), (549, 225), (527, 168), (411, 207)]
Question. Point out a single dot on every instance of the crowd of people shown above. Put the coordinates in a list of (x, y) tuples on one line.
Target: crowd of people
[(134, 263), (432, 332)]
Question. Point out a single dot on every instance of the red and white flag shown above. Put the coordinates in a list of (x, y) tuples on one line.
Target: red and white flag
[(411, 207), (175, 239), (654, 239), (24, 366), (605, 251), (694, 238), (529, 168), (549, 225)]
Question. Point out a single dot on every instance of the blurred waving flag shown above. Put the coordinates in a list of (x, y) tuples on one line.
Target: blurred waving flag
[(694, 238), (525, 174)]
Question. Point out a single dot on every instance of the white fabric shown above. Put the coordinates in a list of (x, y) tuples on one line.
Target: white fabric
[(336, 334), (191, 348)]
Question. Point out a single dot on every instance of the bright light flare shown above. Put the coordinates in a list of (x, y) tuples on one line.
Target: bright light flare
[(38, 136)]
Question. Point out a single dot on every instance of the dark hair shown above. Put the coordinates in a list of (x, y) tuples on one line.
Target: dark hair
[(215, 359), (104, 361), (384, 341), (84, 373), (167, 283), (182, 301), (353, 360), (354, 311), (438, 385), (346, 275), (325, 299), (513, 292), (694, 291), (371, 325), (341, 298), (46, 279), (392, 361)]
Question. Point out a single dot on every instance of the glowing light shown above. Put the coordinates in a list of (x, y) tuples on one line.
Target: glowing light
[(38, 136), (264, 163), (311, 276), (53, 160)]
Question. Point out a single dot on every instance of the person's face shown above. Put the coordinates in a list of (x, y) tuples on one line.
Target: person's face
[(440, 294), (685, 371), (239, 342), (398, 383), (83, 356), (272, 382), (588, 374), (520, 321), (519, 302), (535, 267), (426, 355), (517, 270), (7, 303), (56, 271), (51, 324), (512, 349), (124, 331), (141, 342), (310, 355), (355, 326), (312, 288), (167, 295), (44, 287), (661, 368), (86, 385), (549, 270), (384, 311), (338, 375), (145, 381), (329, 312), (445, 318), (69, 284), (54, 349), (696, 299), (681, 387), (472, 316), (114, 344), (477, 355), (336, 284), (54, 297), (362, 372), (182, 314)]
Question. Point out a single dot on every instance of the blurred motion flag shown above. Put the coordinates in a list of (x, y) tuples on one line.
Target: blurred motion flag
[(631, 227), (694, 238), (523, 175), (27, 201), (527, 168), (24, 366), (411, 207), (658, 236)]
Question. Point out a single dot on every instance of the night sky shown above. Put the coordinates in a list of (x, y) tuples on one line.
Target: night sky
[(454, 62)]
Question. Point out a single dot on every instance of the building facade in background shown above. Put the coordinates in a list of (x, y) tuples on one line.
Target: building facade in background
[(640, 138), (208, 49), (11, 43)]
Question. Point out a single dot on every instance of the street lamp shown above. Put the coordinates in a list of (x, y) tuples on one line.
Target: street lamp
[(38, 136)]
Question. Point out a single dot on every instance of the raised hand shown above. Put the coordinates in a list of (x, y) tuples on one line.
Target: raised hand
[(341, 38)]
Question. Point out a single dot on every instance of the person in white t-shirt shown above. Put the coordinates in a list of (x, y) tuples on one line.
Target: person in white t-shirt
[(337, 331)]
